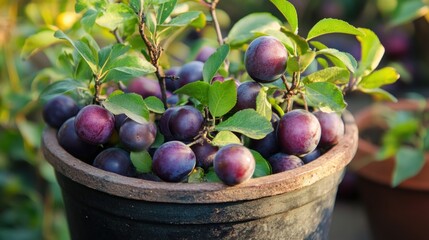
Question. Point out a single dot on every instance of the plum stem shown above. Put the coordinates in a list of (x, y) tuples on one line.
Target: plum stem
[(154, 55)]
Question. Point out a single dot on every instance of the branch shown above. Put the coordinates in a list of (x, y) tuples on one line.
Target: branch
[(117, 36)]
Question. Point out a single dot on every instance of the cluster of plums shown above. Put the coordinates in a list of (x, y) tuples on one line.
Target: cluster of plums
[(98, 137)]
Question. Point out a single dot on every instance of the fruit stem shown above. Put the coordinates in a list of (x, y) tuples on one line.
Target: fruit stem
[(154, 55), (97, 92)]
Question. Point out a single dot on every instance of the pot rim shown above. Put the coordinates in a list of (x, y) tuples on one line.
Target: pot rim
[(332, 161), (371, 170)]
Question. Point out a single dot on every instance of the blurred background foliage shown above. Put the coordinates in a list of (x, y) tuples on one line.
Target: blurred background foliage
[(30, 203)]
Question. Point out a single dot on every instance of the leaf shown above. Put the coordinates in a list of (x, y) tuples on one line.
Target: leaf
[(379, 94), (376, 79), (142, 161), (82, 5), (280, 36), (130, 104), (222, 97), (247, 122), (224, 138), (372, 52), (325, 96), (137, 5), (409, 161), (335, 75), (165, 10), (426, 140), (289, 12), (116, 16), (409, 10), (60, 87), (154, 104), (196, 176), (300, 63), (244, 29), (262, 167), (83, 49), (198, 90), (183, 19), (31, 132), (263, 106), (330, 25), (344, 59), (211, 176), (88, 19), (213, 63), (129, 66), (109, 54), (37, 42), (301, 44)]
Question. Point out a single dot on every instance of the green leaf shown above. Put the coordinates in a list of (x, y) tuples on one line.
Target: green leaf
[(244, 29), (340, 59), (335, 75), (325, 96), (83, 49), (289, 12), (137, 5), (376, 79), (280, 36), (37, 42), (129, 66), (88, 19), (301, 44), (213, 63), (154, 104), (196, 176), (247, 122), (130, 104), (330, 25), (263, 167), (198, 90), (61, 87), (379, 94), (31, 132), (82, 5), (263, 106), (409, 10), (165, 10), (224, 138), (183, 19), (409, 162), (372, 52), (108, 55), (211, 176), (222, 97), (426, 140), (142, 161), (300, 63), (117, 16)]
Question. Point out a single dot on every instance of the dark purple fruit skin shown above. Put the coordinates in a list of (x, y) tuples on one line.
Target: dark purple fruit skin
[(136, 136), (70, 141), (266, 146), (115, 160), (246, 95), (170, 74), (307, 158), (298, 132), (332, 128), (57, 110), (190, 72), (265, 59), (119, 120), (234, 164), (173, 161), (145, 87), (164, 122), (185, 123), (204, 53), (94, 124), (281, 162), (204, 152)]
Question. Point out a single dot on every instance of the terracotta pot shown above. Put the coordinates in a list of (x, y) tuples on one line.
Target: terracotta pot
[(393, 213), (291, 205)]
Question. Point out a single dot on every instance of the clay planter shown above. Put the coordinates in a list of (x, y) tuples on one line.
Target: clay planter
[(290, 205), (393, 213)]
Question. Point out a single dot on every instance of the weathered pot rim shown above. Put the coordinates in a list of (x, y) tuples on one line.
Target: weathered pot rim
[(332, 161), (366, 168)]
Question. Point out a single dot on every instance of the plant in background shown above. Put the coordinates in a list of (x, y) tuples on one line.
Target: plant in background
[(200, 103)]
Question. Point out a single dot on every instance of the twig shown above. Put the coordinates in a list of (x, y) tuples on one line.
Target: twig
[(117, 36), (213, 6)]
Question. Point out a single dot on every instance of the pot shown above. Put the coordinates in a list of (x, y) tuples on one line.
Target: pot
[(393, 213), (296, 204)]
